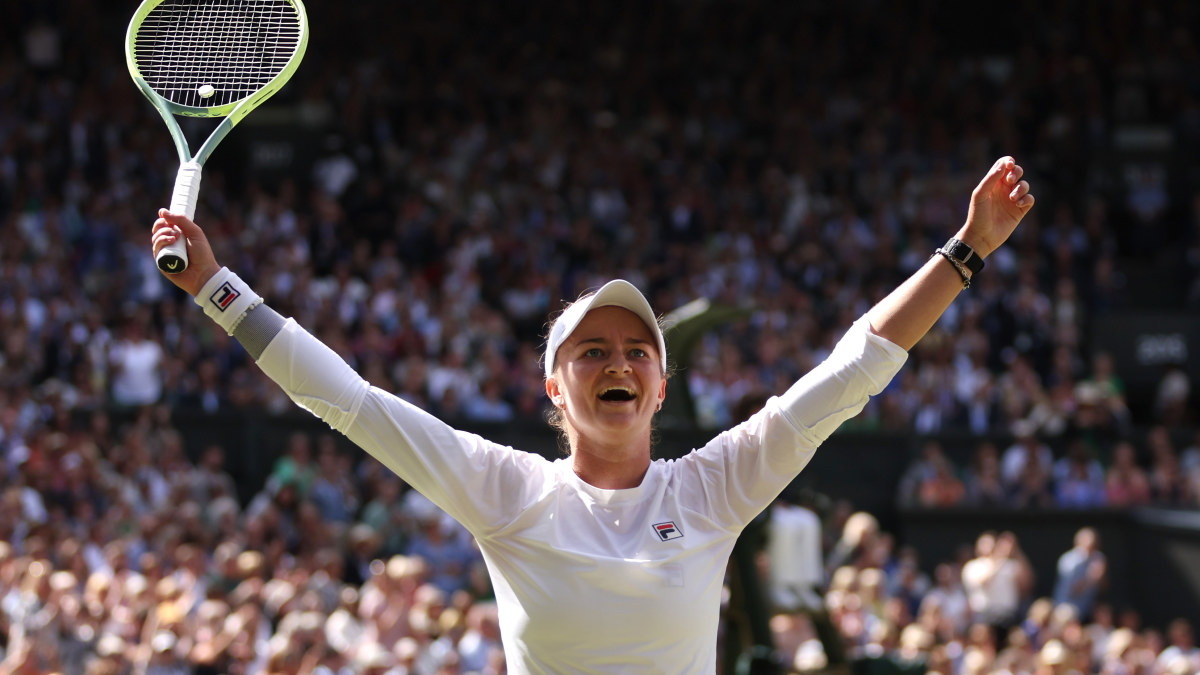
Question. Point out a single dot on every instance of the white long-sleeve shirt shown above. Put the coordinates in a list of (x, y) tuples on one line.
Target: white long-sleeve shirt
[(588, 580)]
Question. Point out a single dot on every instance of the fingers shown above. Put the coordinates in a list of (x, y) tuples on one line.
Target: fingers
[(179, 220), (1005, 171), (173, 217), (165, 230), (1021, 196), (1005, 163), (170, 228), (1013, 172), (161, 224), (176, 221), (176, 225), (165, 234)]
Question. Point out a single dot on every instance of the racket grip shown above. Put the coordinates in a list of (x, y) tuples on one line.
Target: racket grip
[(173, 259)]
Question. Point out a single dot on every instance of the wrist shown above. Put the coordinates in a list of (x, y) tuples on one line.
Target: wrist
[(225, 298), (965, 260), (977, 244)]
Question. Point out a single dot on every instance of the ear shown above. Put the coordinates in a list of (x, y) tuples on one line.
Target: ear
[(554, 391), (662, 393)]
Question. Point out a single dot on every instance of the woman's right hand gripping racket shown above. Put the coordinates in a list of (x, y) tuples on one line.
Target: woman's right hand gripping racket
[(210, 58)]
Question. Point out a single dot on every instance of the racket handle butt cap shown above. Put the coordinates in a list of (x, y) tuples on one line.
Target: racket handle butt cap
[(173, 259)]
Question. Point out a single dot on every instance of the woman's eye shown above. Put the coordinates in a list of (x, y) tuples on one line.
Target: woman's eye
[(593, 352), (638, 353)]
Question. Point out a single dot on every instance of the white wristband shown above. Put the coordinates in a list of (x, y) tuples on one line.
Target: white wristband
[(226, 299)]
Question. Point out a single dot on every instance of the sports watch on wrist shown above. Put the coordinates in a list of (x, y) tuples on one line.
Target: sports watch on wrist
[(961, 253)]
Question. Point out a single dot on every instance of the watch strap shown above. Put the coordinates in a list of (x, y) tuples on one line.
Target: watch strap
[(964, 254)]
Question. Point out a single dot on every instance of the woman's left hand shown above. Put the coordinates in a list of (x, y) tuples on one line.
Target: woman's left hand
[(998, 204)]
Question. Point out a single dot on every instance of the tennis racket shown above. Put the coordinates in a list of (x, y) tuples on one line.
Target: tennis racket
[(210, 58)]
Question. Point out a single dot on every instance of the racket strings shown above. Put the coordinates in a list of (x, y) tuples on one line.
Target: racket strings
[(235, 47)]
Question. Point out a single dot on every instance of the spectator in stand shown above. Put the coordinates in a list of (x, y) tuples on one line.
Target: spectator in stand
[(1020, 389), (997, 581), (944, 488), (795, 570), (362, 550), (946, 603), (1082, 574), (488, 403), (333, 491), (208, 394), (1079, 478), (1111, 412), (984, 483), (385, 514), (1034, 486), (296, 466), (1026, 445), (450, 557), (923, 469), (1168, 484), (1181, 655), (136, 361), (907, 584), (1118, 653), (857, 543), (481, 639), (210, 479), (1126, 483)]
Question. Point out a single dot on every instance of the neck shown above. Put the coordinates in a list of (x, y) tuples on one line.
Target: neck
[(609, 467)]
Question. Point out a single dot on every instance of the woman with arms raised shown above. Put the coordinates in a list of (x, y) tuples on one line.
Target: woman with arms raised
[(608, 561)]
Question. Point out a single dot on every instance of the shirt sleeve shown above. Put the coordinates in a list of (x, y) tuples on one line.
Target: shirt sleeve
[(743, 469), (481, 484), (859, 367)]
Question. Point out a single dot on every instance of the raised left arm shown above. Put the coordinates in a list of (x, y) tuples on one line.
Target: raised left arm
[(997, 206)]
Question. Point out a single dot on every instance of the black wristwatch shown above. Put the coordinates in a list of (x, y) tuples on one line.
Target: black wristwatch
[(963, 258), (964, 254)]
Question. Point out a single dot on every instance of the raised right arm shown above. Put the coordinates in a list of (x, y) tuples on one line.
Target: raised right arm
[(478, 482)]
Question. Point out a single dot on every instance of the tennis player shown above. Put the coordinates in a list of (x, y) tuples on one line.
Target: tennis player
[(608, 561)]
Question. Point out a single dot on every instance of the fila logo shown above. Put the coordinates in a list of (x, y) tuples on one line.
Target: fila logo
[(667, 531), (224, 296)]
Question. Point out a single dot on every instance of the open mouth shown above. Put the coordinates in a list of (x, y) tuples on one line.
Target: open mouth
[(617, 395)]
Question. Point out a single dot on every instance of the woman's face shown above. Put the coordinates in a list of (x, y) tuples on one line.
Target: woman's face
[(607, 378)]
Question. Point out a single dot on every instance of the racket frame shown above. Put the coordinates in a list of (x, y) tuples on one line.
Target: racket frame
[(173, 258)]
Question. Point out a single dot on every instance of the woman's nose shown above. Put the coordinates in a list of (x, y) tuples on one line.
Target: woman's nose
[(618, 364)]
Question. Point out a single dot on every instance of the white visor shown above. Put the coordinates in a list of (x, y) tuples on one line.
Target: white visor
[(616, 293)]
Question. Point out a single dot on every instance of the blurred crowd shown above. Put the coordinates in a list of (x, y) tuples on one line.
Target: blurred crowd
[(976, 613), (454, 197), (126, 557), (472, 167), (1028, 473), (129, 558)]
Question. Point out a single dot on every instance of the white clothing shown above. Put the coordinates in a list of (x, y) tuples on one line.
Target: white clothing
[(992, 591), (794, 552), (136, 377), (587, 580)]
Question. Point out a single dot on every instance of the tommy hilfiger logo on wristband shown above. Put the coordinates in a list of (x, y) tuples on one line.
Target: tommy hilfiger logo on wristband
[(224, 296)]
